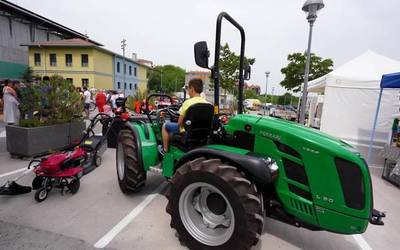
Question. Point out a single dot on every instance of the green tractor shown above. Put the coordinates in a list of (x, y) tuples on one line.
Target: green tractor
[(225, 178)]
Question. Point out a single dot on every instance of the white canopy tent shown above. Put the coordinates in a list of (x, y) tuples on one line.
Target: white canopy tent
[(351, 94)]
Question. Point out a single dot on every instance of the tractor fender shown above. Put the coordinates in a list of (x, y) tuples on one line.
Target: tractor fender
[(137, 137), (256, 168)]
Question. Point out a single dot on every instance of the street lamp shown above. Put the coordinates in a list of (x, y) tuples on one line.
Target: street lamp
[(311, 7), (266, 89)]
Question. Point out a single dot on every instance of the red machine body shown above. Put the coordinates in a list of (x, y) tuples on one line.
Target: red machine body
[(66, 164)]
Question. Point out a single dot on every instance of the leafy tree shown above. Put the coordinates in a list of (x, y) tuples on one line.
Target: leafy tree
[(285, 99), (294, 71), (173, 78), (229, 68), (250, 94), (28, 74)]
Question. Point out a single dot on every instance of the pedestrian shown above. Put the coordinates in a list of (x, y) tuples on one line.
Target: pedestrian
[(101, 100), (11, 103), (137, 106), (114, 96), (87, 100)]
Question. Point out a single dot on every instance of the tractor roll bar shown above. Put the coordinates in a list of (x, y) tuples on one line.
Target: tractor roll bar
[(215, 69)]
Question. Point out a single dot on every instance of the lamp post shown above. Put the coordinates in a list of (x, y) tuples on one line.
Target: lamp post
[(123, 45), (311, 7), (266, 89)]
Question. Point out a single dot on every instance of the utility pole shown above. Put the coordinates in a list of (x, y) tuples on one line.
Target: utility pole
[(266, 89), (123, 45)]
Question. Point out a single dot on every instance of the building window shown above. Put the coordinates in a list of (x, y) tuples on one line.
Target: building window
[(70, 80), (53, 60), (134, 71), (85, 82), (130, 86), (130, 70), (118, 67), (124, 68), (118, 85), (68, 60), (37, 59), (135, 86), (85, 60), (124, 85)]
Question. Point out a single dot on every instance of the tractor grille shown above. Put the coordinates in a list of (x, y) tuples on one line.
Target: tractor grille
[(352, 183), (302, 207), (295, 171)]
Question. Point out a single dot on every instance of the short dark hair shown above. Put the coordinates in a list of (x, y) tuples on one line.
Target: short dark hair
[(84, 88), (196, 84)]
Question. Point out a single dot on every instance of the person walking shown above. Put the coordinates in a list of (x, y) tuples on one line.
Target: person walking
[(101, 100), (87, 100), (11, 103)]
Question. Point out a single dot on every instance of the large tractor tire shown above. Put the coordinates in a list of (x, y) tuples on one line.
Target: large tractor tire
[(213, 206), (130, 173)]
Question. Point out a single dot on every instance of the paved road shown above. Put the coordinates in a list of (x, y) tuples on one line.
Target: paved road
[(79, 221)]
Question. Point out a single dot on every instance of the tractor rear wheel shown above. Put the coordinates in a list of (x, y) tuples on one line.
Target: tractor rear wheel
[(213, 206), (131, 175)]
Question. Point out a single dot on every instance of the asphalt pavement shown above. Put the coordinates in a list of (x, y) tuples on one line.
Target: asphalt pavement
[(101, 216)]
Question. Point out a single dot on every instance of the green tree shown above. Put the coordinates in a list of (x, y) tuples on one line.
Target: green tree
[(294, 71), (173, 78), (229, 68), (28, 74), (250, 94)]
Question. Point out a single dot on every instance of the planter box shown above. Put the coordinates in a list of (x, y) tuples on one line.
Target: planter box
[(37, 141)]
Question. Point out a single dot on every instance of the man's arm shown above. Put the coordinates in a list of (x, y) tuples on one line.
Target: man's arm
[(180, 120)]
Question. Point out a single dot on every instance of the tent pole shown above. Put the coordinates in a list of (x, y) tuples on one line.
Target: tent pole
[(374, 127)]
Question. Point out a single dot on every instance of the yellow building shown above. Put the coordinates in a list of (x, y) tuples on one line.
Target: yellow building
[(142, 78), (79, 61)]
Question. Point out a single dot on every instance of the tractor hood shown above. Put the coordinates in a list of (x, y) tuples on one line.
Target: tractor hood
[(329, 173)]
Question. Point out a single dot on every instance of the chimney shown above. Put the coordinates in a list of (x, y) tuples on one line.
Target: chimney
[(134, 56)]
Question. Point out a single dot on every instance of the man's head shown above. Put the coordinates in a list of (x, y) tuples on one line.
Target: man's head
[(195, 87), (84, 88)]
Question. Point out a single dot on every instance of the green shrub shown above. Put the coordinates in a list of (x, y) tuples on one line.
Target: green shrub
[(53, 102)]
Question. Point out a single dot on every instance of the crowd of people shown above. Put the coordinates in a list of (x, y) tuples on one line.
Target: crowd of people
[(104, 100)]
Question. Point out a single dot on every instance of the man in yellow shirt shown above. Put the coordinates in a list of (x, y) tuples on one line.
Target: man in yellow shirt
[(195, 87)]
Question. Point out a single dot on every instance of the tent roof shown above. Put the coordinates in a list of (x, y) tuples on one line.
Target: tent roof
[(364, 70), (390, 81)]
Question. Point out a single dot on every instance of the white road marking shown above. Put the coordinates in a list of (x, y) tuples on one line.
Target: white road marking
[(361, 242), (109, 236), (3, 134), (13, 172)]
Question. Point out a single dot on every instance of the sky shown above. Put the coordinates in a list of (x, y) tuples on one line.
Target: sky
[(164, 31)]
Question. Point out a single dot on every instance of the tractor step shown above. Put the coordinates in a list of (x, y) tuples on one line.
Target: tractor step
[(156, 169)]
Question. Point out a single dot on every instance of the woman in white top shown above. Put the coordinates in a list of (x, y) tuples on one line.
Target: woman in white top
[(11, 103)]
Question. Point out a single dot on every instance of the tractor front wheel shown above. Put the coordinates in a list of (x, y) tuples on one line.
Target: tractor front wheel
[(213, 206), (131, 175)]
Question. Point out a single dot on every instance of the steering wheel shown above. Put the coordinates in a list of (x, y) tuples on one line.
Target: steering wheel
[(173, 110)]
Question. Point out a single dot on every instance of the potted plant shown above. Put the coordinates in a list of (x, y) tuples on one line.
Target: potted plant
[(51, 118)]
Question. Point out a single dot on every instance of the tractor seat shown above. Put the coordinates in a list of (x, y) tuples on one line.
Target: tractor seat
[(198, 125)]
